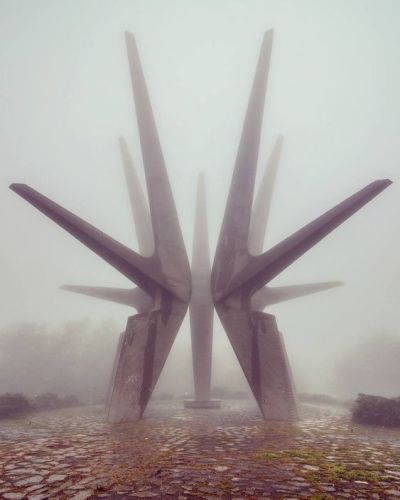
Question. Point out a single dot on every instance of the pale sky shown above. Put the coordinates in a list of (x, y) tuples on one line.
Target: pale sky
[(333, 92)]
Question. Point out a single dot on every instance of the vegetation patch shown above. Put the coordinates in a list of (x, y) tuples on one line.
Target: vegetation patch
[(300, 455), (376, 410), (13, 405), (325, 471), (16, 405)]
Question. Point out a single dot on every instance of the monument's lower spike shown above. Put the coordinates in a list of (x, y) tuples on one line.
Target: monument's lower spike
[(259, 347), (145, 346)]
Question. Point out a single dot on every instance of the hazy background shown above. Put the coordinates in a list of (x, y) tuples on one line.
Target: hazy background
[(333, 92)]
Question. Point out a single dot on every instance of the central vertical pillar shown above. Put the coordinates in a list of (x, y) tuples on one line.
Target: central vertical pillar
[(201, 308)]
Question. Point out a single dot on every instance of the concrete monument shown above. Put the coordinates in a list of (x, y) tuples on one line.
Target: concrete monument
[(236, 286)]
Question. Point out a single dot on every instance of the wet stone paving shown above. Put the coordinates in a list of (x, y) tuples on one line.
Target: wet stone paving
[(182, 454)]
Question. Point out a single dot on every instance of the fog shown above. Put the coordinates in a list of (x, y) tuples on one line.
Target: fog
[(72, 359), (65, 97), (371, 366)]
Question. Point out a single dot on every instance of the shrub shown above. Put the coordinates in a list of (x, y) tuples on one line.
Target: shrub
[(12, 405), (377, 410), (69, 401), (46, 401), (50, 401)]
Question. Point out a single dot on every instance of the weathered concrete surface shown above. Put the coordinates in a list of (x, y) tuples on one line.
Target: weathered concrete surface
[(146, 344), (260, 350), (176, 453)]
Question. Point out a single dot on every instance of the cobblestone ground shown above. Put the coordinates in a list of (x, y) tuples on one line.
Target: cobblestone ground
[(182, 454)]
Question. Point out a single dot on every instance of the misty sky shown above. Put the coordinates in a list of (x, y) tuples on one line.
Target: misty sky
[(333, 92)]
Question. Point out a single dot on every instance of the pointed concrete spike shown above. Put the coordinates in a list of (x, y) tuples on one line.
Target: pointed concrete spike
[(263, 268), (139, 207), (273, 295), (134, 297), (166, 229), (232, 250), (141, 270), (201, 306), (149, 337), (262, 203)]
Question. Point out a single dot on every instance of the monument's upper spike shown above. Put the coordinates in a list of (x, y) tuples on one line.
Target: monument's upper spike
[(141, 270), (262, 203), (267, 295), (139, 206), (263, 268), (169, 245), (232, 249), (133, 297)]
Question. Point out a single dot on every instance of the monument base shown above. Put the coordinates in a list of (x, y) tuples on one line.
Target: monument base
[(209, 404)]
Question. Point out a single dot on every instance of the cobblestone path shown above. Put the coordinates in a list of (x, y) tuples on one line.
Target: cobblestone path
[(182, 454)]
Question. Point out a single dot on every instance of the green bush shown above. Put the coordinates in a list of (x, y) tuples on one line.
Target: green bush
[(12, 405), (376, 410)]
